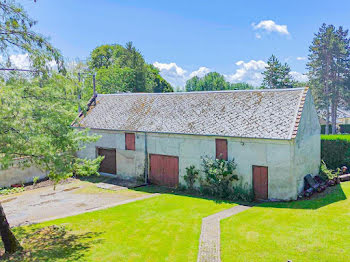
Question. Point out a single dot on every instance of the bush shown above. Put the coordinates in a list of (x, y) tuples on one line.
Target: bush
[(345, 129), (219, 175), (244, 193), (325, 173), (335, 150), (191, 176)]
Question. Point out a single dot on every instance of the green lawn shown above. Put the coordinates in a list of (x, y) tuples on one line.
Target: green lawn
[(310, 230), (163, 228)]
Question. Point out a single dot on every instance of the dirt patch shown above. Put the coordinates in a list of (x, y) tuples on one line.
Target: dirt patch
[(48, 182), (49, 194), (70, 189), (45, 202), (8, 200)]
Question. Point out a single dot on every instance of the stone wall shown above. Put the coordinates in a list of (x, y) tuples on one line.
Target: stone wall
[(19, 175)]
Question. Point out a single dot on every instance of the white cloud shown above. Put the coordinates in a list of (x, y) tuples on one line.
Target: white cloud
[(20, 61), (176, 75), (249, 72), (202, 71), (270, 26), (299, 76), (301, 58)]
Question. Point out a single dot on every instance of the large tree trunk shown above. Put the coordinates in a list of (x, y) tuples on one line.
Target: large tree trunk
[(334, 117), (11, 244), (327, 120)]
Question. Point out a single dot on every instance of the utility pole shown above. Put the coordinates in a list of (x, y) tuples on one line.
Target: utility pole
[(79, 94), (94, 82)]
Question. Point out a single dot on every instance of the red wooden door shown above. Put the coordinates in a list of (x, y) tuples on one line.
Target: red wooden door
[(130, 141), (260, 182), (109, 163), (221, 148), (164, 170)]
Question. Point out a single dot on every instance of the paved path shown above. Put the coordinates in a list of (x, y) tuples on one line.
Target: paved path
[(43, 204), (209, 242)]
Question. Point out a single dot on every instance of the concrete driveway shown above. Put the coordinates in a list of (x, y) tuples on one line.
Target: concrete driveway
[(76, 197)]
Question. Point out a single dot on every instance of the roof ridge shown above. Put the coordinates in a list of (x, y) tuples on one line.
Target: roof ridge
[(209, 92), (299, 112)]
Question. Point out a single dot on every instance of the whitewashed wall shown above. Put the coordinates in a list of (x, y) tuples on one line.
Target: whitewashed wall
[(19, 175), (275, 154), (307, 143)]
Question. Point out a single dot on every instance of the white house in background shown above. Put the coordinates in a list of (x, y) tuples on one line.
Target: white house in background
[(273, 135), (343, 116)]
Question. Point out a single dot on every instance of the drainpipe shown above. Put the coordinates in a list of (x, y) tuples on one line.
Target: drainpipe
[(146, 160)]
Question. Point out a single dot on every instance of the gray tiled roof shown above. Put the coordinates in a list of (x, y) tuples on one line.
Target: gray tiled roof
[(252, 113)]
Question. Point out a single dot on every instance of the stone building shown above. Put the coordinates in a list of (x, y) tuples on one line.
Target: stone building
[(273, 135)]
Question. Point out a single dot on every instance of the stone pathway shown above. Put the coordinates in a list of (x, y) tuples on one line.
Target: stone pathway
[(209, 242)]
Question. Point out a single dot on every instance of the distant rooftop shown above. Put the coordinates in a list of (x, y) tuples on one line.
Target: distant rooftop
[(270, 114)]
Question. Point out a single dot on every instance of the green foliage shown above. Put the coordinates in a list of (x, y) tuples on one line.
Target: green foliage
[(35, 123), (17, 35), (11, 190), (335, 150), (35, 180), (325, 173), (87, 167), (336, 137), (219, 175), (242, 192), (329, 70), (277, 75), (213, 81), (123, 69), (191, 176)]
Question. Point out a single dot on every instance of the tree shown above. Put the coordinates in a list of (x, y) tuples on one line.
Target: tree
[(329, 70), (36, 113), (123, 69), (213, 81), (276, 75), (16, 34)]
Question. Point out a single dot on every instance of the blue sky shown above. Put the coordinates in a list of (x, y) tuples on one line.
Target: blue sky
[(186, 38)]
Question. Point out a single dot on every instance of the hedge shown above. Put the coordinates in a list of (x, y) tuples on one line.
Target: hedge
[(345, 129), (335, 150)]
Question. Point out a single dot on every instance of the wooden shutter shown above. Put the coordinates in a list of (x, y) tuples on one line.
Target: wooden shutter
[(130, 141), (221, 148)]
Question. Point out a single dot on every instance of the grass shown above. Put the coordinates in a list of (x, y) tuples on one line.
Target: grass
[(309, 230), (336, 137), (162, 228)]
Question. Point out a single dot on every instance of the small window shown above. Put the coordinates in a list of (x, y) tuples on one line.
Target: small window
[(221, 148), (129, 141)]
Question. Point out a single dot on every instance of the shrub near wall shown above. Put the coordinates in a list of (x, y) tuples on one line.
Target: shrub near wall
[(335, 150)]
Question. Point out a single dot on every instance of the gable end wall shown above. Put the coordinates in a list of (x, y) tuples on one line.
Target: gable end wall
[(307, 146)]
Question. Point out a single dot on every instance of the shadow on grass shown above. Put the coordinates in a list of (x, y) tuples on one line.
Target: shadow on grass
[(329, 196), (193, 194), (51, 243)]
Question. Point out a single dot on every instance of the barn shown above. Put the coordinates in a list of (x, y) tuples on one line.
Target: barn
[(273, 135)]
